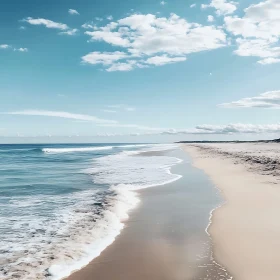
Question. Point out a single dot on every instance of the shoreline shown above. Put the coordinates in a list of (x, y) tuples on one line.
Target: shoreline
[(160, 242), (244, 229)]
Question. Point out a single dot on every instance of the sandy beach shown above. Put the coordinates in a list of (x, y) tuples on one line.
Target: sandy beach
[(165, 237), (246, 229)]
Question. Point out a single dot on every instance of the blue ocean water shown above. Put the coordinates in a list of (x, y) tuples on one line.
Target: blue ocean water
[(62, 205)]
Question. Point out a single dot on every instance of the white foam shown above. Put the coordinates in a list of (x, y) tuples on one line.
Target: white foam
[(82, 224), (72, 150), (101, 236), (125, 172)]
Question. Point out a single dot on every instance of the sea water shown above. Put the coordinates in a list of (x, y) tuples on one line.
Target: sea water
[(62, 205)]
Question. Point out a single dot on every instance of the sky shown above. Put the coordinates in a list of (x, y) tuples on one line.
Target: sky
[(139, 70)]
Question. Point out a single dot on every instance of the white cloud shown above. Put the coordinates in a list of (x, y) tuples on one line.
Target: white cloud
[(105, 34), (65, 115), (99, 19), (4, 46), (110, 17), (226, 129), (89, 25), (270, 99), (205, 129), (210, 18), (258, 31), (200, 129), (70, 32), (105, 58), (46, 22), (239, 128), (269, 60), (146, 36), (192, 5), (22, 27), (21, 50), (73, 12), (162, 3), (164, 59), (121, 66), (223, 7)]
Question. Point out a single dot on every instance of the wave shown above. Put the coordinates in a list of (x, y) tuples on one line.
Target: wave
[(125, 173), (74, 228), (72, 150)]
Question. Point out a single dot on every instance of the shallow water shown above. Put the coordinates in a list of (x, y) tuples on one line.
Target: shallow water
[(165, 237), (183, 219), (61, 205)]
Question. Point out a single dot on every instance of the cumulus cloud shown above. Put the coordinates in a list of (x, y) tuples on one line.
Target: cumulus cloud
[(4, 46), (210, 18), (258, 31), (65, 115), (240, 128), (21, 49), (269, 60), (270, 99), (70, 32), (162, 3), (223, 7), (47, 23), (164, 59), (148, 38), (104, 58), (73, 12), (89, 25), (110, 17), (121, 66), (192, 5)]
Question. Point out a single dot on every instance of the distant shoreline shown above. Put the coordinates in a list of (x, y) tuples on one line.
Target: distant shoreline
[(233, 141)]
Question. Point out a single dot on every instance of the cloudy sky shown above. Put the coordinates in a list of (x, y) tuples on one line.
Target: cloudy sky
[(139, 70)]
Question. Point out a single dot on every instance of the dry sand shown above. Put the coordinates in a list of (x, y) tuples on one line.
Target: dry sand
[(246, 230)]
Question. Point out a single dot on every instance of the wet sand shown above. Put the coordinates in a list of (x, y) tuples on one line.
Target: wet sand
[(245, 231), (165, 237)]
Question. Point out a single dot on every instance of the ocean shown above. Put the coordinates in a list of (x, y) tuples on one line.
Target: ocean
[(62, 205)]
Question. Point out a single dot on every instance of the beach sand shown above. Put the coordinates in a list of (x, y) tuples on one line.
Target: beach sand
[(165, 237), (246, 230)]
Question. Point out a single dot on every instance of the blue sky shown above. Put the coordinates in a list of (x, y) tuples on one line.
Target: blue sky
[(140, 70)]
